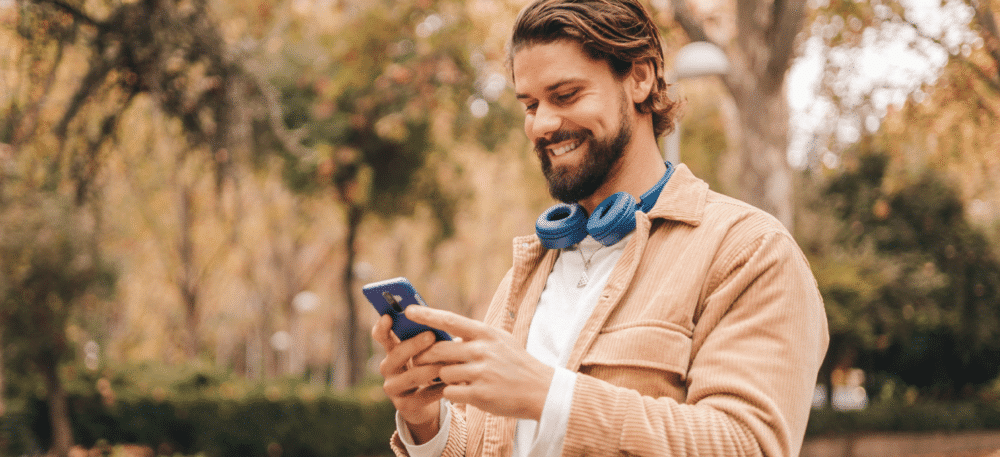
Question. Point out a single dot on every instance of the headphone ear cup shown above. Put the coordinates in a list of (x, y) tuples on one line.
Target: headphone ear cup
[(613, 219), (562, 226)]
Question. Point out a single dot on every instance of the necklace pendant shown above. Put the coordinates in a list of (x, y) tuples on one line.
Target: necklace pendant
[(583, 279)]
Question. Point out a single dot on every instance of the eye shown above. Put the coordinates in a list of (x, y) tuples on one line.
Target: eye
[(566, 96), (530, 107)]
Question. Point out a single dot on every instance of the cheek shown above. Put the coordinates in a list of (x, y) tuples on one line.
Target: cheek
[(595, 114)]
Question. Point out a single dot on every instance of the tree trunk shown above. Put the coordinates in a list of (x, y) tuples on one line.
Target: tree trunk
[(759, 164), (356, 348), (62, 429), (187, 280), (759, 55), (3, 405)]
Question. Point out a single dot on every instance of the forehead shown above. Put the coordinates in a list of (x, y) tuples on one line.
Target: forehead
[(541, 67)]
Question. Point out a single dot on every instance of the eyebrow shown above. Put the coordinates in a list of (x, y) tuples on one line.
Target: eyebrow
[(551, 87)]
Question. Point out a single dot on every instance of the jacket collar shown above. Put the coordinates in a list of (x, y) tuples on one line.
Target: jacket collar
[(682, 199)]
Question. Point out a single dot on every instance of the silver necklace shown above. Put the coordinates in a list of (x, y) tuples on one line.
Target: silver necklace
[(584, 278)]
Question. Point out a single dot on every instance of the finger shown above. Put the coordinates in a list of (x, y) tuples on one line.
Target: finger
[(465, 373), (429, 393), (407, 383), (424, 395), (395, 360), (454, 324), (380, 332), (451, 352), (460, 393)]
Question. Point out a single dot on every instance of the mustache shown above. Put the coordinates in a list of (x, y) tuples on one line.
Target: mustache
[(562, 135)]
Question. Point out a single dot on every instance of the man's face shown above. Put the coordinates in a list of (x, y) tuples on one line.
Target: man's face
[(576, 114)]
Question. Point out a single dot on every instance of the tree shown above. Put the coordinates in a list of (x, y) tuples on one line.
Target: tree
[(394, 98), (910, 278), (107, 89), (61, 130), (942, 116), (910, 285), (760, 53), (170, 51), (49, 270)]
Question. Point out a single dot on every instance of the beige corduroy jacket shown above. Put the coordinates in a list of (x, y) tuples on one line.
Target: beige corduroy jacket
[(706, 341)]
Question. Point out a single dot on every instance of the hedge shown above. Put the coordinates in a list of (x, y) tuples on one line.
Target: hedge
[(328, 426), (917, 417), (222, 428)]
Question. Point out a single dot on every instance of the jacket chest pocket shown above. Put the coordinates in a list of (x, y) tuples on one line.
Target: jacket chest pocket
[(651, 359)]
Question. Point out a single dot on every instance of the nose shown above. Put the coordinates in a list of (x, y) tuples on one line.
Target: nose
[(543, 122)]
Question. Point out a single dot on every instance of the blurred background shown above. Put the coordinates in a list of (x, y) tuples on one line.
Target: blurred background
[(193, 192)]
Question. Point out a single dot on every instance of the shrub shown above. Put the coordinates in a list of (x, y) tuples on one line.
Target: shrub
[(256, 426)]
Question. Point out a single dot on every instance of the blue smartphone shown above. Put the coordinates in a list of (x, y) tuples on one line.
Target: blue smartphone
[(391, 297)]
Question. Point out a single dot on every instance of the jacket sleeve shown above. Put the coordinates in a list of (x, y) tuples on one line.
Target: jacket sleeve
[(758, 341), (458, 432), (457, 436)]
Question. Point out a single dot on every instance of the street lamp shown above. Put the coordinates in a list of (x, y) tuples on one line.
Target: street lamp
[(302, 303), (699, 58)]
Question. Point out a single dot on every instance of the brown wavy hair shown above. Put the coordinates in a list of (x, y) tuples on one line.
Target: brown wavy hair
[(619, 32)]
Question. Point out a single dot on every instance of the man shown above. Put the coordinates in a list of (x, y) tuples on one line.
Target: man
[(699, 332)]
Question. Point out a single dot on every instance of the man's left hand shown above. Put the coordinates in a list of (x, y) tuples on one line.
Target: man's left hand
[(486, 368)]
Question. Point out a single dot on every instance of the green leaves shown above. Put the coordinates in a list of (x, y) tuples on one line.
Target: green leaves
[(917, 285), (48, 269), (387, 92)]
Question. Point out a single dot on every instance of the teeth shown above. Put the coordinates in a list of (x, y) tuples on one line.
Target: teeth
[(565, 149)]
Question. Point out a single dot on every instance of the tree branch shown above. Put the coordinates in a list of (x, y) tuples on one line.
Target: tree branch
[(746, 23), (72, 11), (990, 80), (786, 23), (28, 122), (988, 23), (291, 140), (90, 81), (691, 26), (982, 74), (85, 168)]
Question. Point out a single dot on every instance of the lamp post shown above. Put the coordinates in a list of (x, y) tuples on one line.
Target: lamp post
[(303, 303), (699, 58)]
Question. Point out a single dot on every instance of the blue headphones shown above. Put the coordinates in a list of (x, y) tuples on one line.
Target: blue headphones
[(565, 224)]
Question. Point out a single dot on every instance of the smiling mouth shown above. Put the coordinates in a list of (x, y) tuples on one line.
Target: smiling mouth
[(565, 149)]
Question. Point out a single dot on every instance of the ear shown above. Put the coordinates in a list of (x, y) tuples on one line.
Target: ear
[(640, 81)]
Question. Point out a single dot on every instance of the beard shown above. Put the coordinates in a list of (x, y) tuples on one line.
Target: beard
[(570, 184)]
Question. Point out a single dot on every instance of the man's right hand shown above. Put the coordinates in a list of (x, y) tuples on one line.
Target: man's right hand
[(411, 389)]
